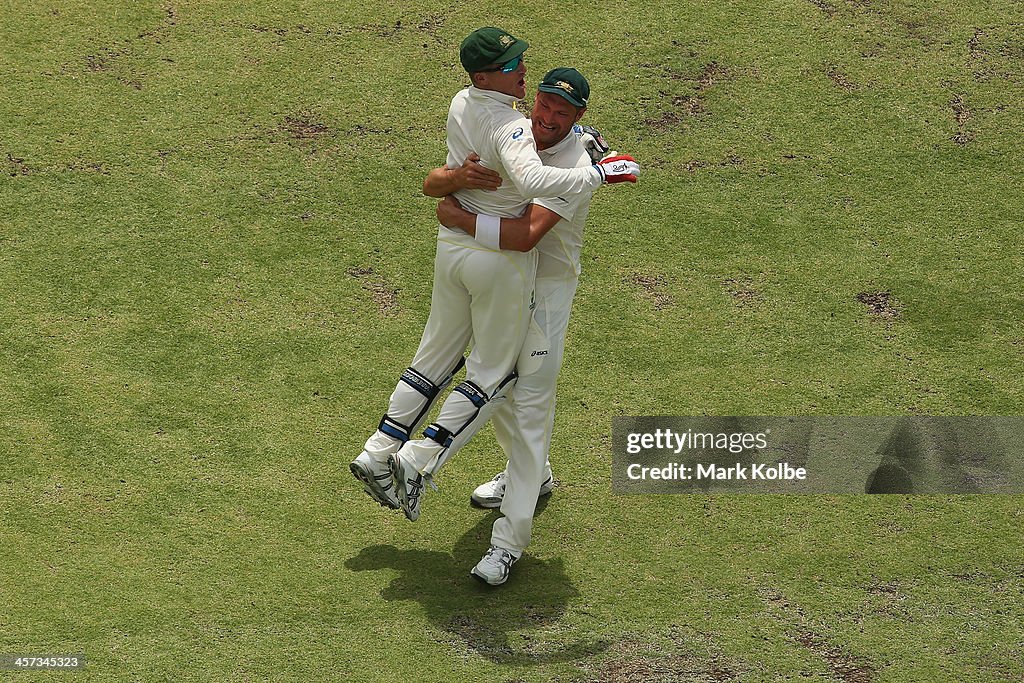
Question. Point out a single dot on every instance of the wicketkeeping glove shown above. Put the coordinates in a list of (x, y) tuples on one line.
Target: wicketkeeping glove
[(592, 141), (618, 169)]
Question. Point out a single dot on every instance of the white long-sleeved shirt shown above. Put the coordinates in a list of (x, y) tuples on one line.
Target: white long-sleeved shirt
[(486, 122)]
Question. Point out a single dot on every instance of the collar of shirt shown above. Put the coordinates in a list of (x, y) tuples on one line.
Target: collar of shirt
[(510, 100), (558, 146)]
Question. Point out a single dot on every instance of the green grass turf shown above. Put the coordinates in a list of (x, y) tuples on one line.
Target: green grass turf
[(215, 261)]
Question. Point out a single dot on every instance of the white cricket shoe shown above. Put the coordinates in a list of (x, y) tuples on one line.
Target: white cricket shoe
[(495, 566), (409, 485), (491, 494), (376, 479)]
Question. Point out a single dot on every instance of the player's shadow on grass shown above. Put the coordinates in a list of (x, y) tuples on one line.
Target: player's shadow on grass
[(484, 620)]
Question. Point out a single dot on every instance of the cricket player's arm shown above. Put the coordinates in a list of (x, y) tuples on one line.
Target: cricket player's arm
[(515, 145), (517, 234), (472, 175)]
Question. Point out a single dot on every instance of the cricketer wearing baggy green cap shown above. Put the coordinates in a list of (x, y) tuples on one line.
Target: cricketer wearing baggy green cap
[(489, 46), (481, 294), (569, 83), (522, 424)]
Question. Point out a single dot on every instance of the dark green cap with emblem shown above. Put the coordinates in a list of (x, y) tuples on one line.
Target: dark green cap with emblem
[(569, 83), (488, 46)]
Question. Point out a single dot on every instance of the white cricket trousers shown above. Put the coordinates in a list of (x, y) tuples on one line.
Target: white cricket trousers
[(481, 295), (523, 423)]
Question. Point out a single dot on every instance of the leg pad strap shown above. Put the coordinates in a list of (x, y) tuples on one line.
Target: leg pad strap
[(439, 434), (420, 383), (474, 393), (394, 429)]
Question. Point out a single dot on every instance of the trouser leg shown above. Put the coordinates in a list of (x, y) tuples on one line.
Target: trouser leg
[(500, 286), (440, 355), (524, 426)]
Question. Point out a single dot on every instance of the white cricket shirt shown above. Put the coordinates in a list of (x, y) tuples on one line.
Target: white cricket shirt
[(559, 250), (486, 122)]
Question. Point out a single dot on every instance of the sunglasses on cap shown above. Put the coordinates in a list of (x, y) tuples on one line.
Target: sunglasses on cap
[(509, 66)]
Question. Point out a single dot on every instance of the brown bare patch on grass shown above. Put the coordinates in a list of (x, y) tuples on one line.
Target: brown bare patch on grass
[(99, 62), (741, 290), (826, 7), (432, 25), (383, 30), (17, 166), (840, 78), (880, 304), (919, 30), (276, 30), (843, 666), (103, 60), (172, 14), (666, 121), (164, 155), (691, 105), (731, 159), (974, 44), (384, 295), (712, 73), (302, 127), (961, 115), (994, 55), (362, 131), (686, 106), (169, 21), (651, 287), (88, 167)]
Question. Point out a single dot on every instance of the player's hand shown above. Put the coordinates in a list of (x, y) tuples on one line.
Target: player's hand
[(618, 169), (472, 175), (450, 212), (592, 141)]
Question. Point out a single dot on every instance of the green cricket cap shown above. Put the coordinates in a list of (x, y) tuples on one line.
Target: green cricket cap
[(486, 46), (569, 83)]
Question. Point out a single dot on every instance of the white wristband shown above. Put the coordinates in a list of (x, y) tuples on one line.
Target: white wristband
[(488, 231)]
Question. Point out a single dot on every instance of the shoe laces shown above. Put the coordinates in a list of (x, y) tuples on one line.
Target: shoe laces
[(501, 556), (418, 483)]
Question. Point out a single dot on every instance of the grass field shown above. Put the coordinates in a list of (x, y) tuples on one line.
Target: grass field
[(215, 262)]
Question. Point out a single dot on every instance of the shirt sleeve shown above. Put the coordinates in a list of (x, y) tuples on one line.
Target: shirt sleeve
[(566, 205), (515, 145)]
